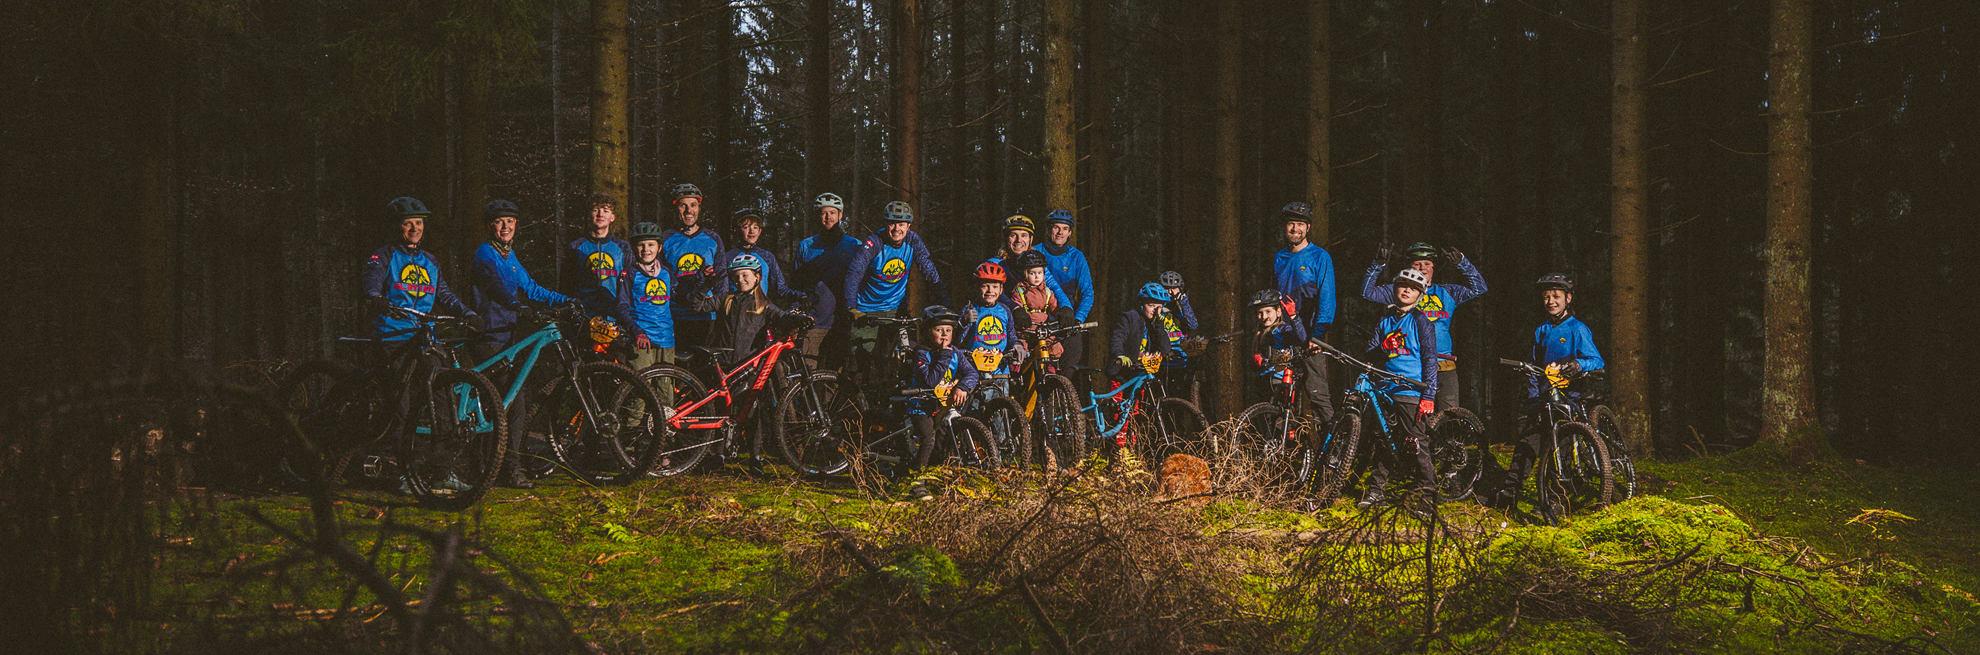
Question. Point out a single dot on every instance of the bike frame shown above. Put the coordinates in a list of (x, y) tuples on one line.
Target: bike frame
[(765, 363), (1131, 390)]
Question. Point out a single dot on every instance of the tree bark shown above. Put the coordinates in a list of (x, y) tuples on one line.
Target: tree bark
[(1787, 414), (910, 43), (608, 103), (1320, 115), (1226, 246), (1630, 310), (690, 159), (964, 225), (473, 111), (1096, 219), (818, 99), (1060, 153), (990, 149), (722, 90), (1418, 130)]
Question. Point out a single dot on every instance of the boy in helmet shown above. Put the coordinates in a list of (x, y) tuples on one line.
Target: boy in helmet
[(1405, 344), (404, 276), (1305, 276), (690, 253), (822, 262), (939, 366), (1178, 320), (1437, 304), (989, 326), (876, 280), (500, 281), (1565, 347), (650, 291), (749, 230)]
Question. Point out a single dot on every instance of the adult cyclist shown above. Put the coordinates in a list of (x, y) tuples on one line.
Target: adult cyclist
[(690, 253), (1437, 303), (877, 278), (1305, 275), (404, 276), (1068, 268), (822, 262)]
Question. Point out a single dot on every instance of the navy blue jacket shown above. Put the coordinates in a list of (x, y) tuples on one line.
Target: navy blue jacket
[(941, 370), (822, 262), (1133, 337)]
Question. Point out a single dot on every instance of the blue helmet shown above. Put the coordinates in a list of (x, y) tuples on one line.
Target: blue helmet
[(1154, 291), (1059, 216), (746, 261)]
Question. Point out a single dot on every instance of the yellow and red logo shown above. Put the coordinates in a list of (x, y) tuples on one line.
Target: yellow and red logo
[(1432, 307), (415, 281), (893, 271), (690, 263), (1395, 343), (655, 292), (603, 264)]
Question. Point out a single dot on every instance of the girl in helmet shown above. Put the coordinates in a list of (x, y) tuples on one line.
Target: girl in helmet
[(1138, 334), (1405, 344), (1276, 331), (744, 312)]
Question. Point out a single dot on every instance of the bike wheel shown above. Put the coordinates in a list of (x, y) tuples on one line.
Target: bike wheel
[(1005, 418), (1577, 476), (1182, 424), (1061, 427), (455, 440), (977, 448), (535, 425), (819, 421), (1260, 439), (678, 450), (1457, 448), (1620, 463), (1334, 455), (319, 395)]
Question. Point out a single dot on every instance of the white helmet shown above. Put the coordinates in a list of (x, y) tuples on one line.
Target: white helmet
[(1413, 277)]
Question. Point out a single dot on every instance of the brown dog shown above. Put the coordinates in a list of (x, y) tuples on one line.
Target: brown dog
[(1185, 476)]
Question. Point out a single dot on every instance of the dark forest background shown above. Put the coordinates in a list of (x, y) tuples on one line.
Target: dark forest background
[(195, 182)]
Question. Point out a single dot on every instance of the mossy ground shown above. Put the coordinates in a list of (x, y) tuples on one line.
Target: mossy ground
[(702, 564)]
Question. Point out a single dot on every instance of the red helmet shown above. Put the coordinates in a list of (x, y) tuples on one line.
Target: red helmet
[(990, 272)]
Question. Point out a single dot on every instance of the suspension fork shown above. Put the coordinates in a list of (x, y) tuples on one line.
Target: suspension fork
[(586, 402)]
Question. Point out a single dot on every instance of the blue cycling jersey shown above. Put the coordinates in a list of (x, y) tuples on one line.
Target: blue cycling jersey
[(876, 281), (408, 278), (607, 257), (1307, 278), (1406, 346), (1438, 302), (987, 337), (1068, 270), (652, 306), (692, 260), (1556, 342)]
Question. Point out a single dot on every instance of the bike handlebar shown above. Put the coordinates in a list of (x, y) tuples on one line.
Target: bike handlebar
[(1368, 368), (885, 320)]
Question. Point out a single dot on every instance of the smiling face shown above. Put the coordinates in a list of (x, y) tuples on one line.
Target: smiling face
[(751, 230), (503, 229), (988, 291), (1296, 232), (411, 229), (1556, 302), (1407, 295), (1017, 241), (646, 251), (688, 210), (1061, 232), (745, 279), (829, 217), (898, 231), (1268, 315), (1426, 267)]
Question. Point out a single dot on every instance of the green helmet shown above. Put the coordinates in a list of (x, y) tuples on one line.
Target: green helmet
[(646, 230), (1420, 250), (404, 207)]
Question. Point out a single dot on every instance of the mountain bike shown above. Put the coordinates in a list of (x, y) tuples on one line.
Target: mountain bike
[(418, 418), (1050, 402), (1455, 448), (968, 442), (1276, 437), (993, 404), (1582, 467), (1180, 374), (1139, 416)]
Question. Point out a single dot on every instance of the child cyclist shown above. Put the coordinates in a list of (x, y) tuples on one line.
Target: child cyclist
[(939, 366), (1565, 347), (1276, 332), (1406, 345), (744, 313), (988, 325), (1138, 338), (1033, 298)]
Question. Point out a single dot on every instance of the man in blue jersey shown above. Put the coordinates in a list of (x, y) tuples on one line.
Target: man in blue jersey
[(822, 262), (1565, 347), (500, 282), (749, 230), (1437, 304), (1068, 268), (876, 280), (1305, 276), (1405, 344), (690, 252), (404, 276)]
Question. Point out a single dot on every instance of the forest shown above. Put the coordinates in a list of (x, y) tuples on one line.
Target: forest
[(1760, 204)]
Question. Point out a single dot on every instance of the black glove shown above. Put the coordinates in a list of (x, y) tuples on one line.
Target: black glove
[(1572, 367), (1451, 255), (475, 321), (376, 305), (1384, 251)]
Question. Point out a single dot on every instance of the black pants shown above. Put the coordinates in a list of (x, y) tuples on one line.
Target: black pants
[(692, 332), (1447, 388), (1534, 441), (924, 430), (1319, 398), (1414, 443)]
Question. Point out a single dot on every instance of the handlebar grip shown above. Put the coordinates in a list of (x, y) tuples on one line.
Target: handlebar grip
[(1088, 325), (1512, 362), (917, 392)]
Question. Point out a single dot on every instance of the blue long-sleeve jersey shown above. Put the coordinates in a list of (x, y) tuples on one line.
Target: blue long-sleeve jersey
[(607, 257), (876, 280), (1307, 277), (650, 303), (696, 268), (987, 337), (1068, 268), (1556, 342), (942, 370), (773, 275), (608, 297), (1179, 321), (408, 278), (1406, 344), (822, 262), (1437, 303), (499, 281)]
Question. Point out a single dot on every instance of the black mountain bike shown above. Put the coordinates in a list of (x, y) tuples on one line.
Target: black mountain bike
[(1582, 468)]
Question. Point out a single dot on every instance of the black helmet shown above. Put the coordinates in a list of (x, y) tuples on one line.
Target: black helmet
[(934, 315), (1030, 259), (1296, 211), (1170, 279), (404, 207), (685, 190), (1420, 250), (1554, 281), (899, 212), (646, 231), (1266, 298), (499, 208), (744, 214)]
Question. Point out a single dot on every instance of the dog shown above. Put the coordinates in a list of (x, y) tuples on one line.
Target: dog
[(1184, 476)]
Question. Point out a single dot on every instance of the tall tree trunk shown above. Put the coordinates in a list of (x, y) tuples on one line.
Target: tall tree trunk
[(1418, 129), (433, 164), (910, 43), (964, 225), (1320, 115), (1788, 395), (990, 151), (473, 111), (1094, 233), (1629, 224), (1061, 154), (1226, 244), (818, 99), (557, 147), (690, 159), (608, 103), (157, 340), (722, 93)]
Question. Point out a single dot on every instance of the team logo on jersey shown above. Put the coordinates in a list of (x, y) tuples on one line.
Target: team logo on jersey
[(1395, 343), (1563, 339), (988, 352), (690, 263), (990, 330), (603, 264), (893, 271), (1174, 329), (655, 292), (948, 382), (1432, 307), (415, 281)]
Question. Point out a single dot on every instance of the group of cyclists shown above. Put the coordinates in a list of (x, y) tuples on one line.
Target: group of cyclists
[(665, 290)]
